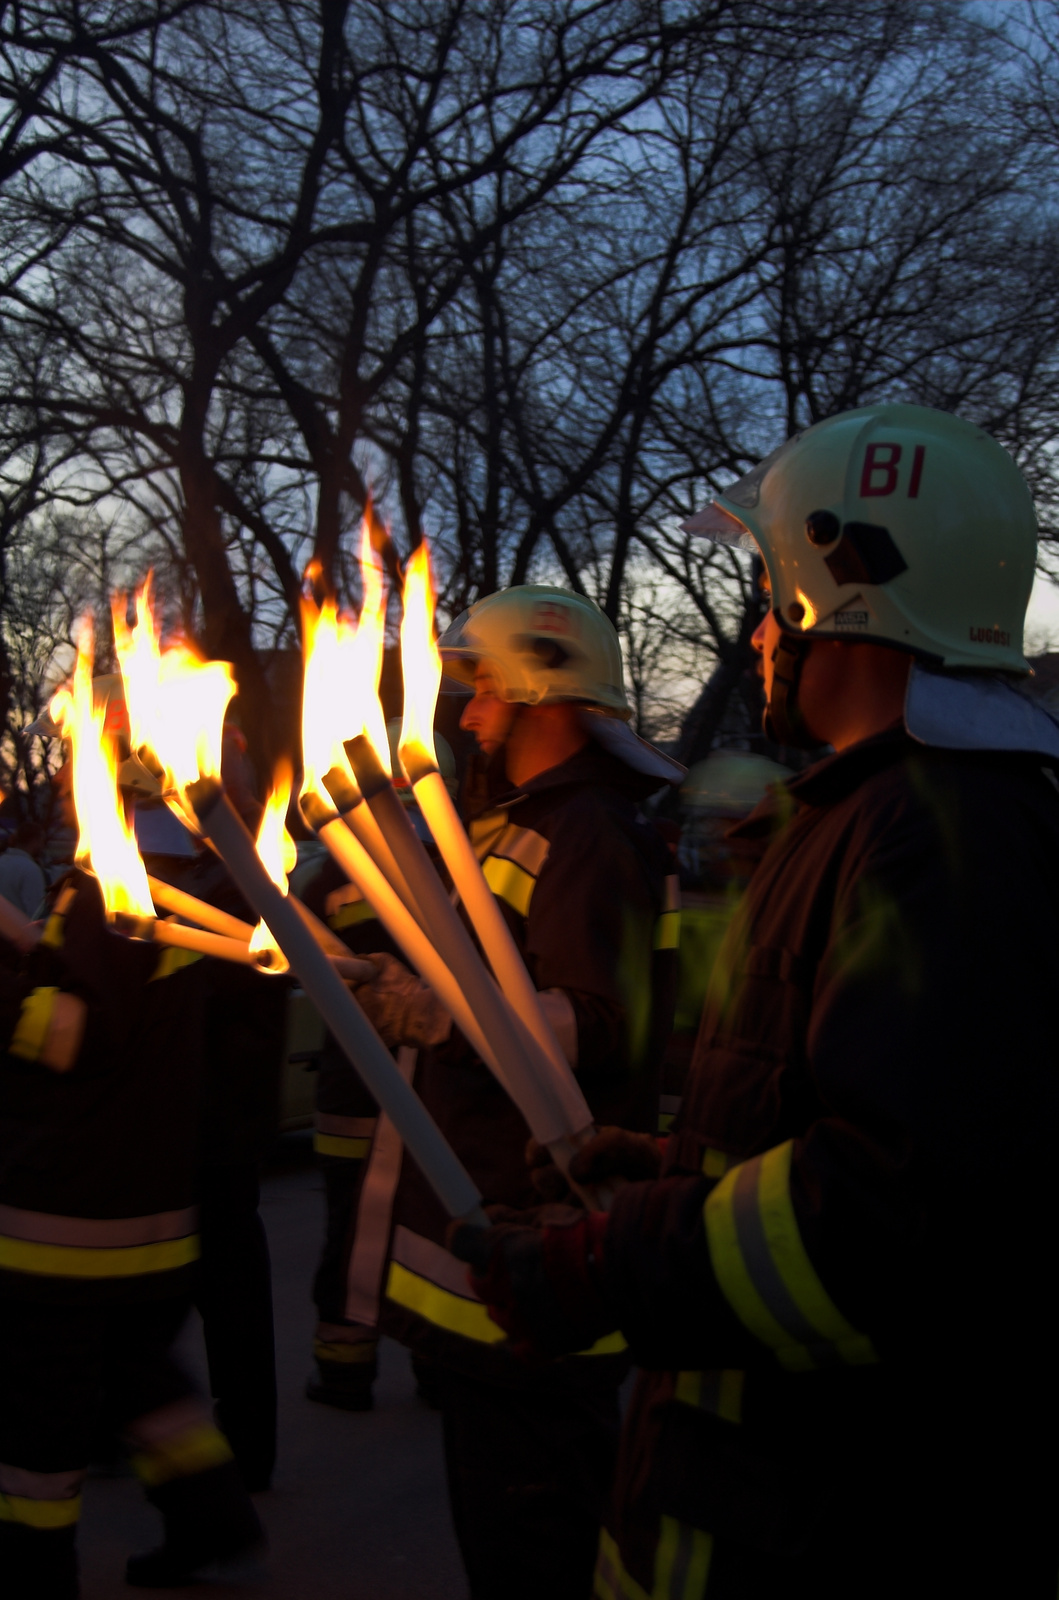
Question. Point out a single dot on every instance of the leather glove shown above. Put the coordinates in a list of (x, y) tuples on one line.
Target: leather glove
[(542, 1284), (610, 1153), (401, 1007)]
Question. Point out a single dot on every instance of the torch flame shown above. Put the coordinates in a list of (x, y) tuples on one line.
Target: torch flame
[(327, 644), (105, 841), (367, 652), (343, 662), (276, 848), (176, 700), (420, 659)]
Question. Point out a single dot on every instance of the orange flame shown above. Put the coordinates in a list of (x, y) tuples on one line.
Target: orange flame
[(340, 686), (367, 652), (327, 647), (176, 700), (420, 660), (105, 841), (276, 848)]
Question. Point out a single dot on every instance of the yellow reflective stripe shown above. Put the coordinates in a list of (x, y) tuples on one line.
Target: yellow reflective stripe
[(194, 1450), (34, 1020), (343, 1353), (793, 1263), (349, 915), (718, 1392), (172, 960), (611, 1344), (667, 931), (715, 1163), (78, 1261), (43, 1514), (335, 1144), (509, 882), (765, 1273), (610, 1580), (468, 1318), (665, 1121), (682, 1561), (55, 927)]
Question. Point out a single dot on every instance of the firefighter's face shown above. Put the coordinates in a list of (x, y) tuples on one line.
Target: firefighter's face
[(488, 717), (765, 639)]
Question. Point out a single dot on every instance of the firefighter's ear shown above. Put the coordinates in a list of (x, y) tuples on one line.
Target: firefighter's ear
[(66, 1030)]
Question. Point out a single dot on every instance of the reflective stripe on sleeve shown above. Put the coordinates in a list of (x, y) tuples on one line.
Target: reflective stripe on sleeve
[(667, 931), (55, 927), (426, 1279), (34, 1020), (509, 882), (682, 1566), (348, 916), (718, 1392), (42, 1500), (172, 960), (765, 1273)]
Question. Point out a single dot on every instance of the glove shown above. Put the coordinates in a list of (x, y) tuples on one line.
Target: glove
[(610, 1153), (542, 1284), (401, 1007)]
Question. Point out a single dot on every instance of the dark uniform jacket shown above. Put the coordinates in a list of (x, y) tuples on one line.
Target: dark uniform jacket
[(843, 1287), (581, 876), (97, 1164)]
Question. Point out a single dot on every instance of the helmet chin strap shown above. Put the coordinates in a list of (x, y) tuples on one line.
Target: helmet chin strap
[(783, 721)]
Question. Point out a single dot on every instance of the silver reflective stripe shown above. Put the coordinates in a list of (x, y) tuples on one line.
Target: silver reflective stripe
[(372, 1237), (750, 1230), (431, 1261), (344, 1127), (91, 1233), (527, 849), (669, 1104), (41, 1485), (671, 893)]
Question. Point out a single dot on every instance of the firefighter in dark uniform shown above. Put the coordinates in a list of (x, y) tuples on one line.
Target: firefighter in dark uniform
[(581, 875), (841, 1288), (98, 1243)]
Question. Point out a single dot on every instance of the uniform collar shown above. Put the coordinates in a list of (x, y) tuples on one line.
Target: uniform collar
[(825, 782)]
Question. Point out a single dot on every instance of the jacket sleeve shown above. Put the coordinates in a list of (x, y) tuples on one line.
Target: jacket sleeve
[(909, 1209)]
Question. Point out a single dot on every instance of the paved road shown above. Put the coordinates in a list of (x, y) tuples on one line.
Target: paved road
[(358, 1511)]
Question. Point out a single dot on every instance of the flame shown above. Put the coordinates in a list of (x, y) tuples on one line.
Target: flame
[(342, 666), (327, 646), (810, 612), (276, 848), (367, 650), (176, 700), (420, 660), (105, 841)]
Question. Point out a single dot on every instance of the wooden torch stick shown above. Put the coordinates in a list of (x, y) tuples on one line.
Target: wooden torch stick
[(348, 852), (193, 909), (355, 1035), (528, 1068)]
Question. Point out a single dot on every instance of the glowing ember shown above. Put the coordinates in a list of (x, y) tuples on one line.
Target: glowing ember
[(105, 841), (420, 661), (276, 848), (176, 700)]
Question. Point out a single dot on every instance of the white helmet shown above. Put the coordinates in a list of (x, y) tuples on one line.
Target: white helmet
[(894, 523)]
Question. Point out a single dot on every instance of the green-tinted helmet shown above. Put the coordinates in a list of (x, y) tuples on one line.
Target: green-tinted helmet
[(895, 523), (540, 643)]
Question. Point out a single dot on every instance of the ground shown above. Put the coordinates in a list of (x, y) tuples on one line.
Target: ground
[(358, 1511)]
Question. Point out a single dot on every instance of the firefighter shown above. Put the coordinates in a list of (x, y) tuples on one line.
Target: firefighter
[(581, 876), (98, 1136), (840, 1289)]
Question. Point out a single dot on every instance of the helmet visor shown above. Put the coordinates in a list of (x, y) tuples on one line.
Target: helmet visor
[(722, 527)]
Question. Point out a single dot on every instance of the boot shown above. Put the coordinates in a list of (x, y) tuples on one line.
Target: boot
[(211, 1528), (346, 1374)]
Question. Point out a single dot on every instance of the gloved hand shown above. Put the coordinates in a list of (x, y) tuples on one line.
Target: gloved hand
[(401, 1007), (610, 1153), (542, 1284)]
